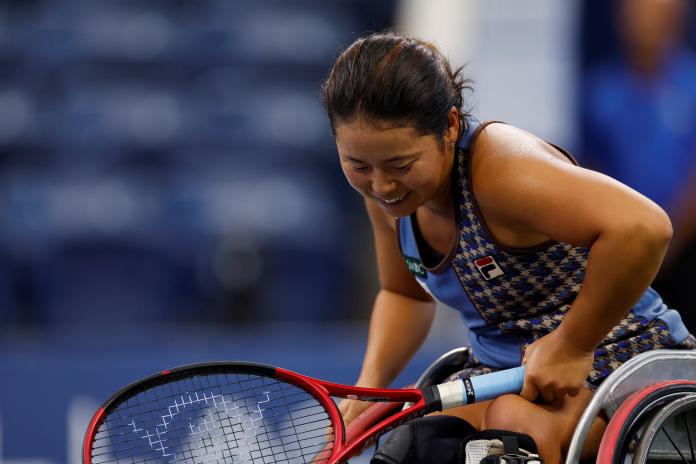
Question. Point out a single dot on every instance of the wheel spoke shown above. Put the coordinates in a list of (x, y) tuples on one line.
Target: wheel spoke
[(688, 435), (673, 444)]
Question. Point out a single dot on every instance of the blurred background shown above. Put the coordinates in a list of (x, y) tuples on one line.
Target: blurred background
[(170, 192)]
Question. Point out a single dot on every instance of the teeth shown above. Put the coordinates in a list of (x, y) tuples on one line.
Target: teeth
[(394, 200)]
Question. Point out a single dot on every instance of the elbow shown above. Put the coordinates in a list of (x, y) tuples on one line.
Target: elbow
[(653, 229), (660, 228)]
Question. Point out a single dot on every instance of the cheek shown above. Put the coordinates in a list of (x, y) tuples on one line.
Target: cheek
[(425, 184), (418, 181)]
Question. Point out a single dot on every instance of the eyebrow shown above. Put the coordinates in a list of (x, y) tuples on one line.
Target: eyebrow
[(388, 160)]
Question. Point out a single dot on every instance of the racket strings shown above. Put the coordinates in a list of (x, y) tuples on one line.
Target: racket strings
[(185, 401), (222, 418), (300, 412)]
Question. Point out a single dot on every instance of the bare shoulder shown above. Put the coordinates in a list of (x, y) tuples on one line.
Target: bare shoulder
[(508, 164), (509, 159), (526, 186), (505, 162), (499, 143)]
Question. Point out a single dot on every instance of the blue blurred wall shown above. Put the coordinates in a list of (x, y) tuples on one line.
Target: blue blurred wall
[(170, 193), (171, 161)]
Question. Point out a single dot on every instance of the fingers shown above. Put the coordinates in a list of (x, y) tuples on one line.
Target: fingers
[(548, 395), (350, 409), (573, 391), (345, 410), (532, 390), (529, 390)]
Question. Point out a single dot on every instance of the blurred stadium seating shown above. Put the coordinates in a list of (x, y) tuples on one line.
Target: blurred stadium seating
[(170, 161)]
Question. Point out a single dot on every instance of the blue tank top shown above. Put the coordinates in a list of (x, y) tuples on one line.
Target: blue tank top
[(508, 298)]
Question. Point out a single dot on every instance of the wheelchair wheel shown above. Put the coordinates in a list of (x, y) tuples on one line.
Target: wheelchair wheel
[(670, 433), (628, 425)]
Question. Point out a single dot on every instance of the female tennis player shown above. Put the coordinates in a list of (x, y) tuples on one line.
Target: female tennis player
[(549, 263)]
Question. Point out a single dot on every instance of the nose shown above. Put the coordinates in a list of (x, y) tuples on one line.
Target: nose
[(382, 185)]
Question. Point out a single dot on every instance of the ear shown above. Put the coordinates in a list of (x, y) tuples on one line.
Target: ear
[(453, 123)]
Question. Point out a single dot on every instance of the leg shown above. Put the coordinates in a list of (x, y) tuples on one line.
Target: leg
[(550, 425), (472, 413)]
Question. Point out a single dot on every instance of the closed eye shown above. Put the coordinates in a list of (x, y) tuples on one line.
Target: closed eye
[(403, 167)]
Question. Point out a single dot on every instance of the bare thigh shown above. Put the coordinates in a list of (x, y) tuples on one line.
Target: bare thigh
[(563, 417), (550, 424), (472, 413)]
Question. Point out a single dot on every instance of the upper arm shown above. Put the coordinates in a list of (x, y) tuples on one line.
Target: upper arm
[(518, 182), (393, 274)]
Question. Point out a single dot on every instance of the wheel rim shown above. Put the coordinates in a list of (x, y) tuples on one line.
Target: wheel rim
[(659, 423), (633, 413)]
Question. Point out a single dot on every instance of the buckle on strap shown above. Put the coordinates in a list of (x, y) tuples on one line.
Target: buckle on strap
[(511, 459), (519, 459)]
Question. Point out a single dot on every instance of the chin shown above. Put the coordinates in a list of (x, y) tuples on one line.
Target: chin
[(399, 211), (399, 214)]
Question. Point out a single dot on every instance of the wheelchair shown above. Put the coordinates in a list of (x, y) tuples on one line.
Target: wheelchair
[(650, 401)]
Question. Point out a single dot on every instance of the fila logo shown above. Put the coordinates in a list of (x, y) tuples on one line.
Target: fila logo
[(488, 268)]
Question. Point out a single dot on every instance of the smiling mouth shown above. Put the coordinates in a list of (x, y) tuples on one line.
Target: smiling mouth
[(391, 201)]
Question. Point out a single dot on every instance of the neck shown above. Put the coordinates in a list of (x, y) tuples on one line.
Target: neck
[(442, 203)]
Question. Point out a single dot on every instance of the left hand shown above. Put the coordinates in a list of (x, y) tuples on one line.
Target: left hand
[(554, 368)]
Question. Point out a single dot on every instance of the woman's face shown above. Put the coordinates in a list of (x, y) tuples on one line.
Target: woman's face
[(395, 167)]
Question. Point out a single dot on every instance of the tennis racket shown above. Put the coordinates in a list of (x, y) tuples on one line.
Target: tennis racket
[(234, 412)]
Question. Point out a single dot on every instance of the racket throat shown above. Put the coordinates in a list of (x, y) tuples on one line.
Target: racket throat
[(431, 397), (449, 395)]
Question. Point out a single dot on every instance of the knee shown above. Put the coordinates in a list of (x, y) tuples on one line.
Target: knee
[(503, 413), (515, 414)]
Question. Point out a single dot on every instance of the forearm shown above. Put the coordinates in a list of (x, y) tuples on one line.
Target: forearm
[(398, 327), (621, 265)]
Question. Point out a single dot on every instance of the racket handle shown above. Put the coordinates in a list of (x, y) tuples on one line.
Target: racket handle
[(470, 390)]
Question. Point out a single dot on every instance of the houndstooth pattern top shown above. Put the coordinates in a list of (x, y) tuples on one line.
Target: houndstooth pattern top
[(525, 293)]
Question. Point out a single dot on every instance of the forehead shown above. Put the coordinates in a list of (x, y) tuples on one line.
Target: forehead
[(360, 138)]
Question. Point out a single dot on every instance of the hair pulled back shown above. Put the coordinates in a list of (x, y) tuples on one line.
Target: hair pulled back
[(396, 79)]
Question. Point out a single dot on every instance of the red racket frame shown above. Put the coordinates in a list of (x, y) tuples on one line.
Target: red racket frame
[(344, 446), (323, 391)]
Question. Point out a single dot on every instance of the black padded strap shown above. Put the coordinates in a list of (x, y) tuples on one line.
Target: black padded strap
[(427, 440), (511, 445)]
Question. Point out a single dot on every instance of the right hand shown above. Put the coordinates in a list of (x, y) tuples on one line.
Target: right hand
[(350, 409), (555, 368)]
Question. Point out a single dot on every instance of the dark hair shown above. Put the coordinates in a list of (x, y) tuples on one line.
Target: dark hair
[(389, 77)]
